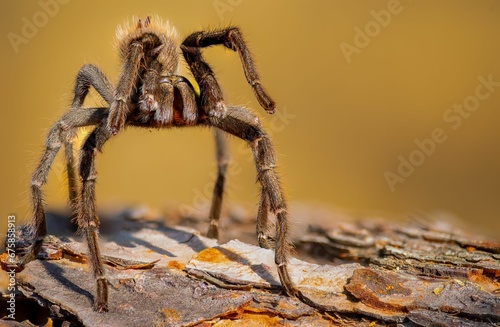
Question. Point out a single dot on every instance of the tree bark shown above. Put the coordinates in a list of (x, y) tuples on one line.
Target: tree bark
[(366, 273)]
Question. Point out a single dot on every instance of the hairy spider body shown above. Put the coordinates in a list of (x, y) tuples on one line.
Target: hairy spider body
[(149, 84), (150, 93)]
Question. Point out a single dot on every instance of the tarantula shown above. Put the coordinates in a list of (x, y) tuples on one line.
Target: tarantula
[(149, 93)]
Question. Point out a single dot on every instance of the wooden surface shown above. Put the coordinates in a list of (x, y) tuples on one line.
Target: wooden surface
[(365, 273)]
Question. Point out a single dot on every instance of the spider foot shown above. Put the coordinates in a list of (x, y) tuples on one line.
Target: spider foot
[(26, 245), (266, 242), (286, 281), (22, 257), (163, 116), (213, 232), (117, 116), (114, 124), (148, 102), (24, 238), (101, 307), (264, 99), (101, 299)]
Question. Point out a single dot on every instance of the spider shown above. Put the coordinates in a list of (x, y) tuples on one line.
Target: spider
[(150, 93)]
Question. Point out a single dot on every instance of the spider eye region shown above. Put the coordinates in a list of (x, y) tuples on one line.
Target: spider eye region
[(151, 43)]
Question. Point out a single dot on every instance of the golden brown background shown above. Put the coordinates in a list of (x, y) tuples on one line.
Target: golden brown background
[(345, 120)]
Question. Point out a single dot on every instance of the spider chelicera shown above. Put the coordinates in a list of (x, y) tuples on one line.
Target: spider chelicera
[(149, 93)]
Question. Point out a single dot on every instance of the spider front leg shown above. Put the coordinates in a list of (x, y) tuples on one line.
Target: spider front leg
[(130, 71), (88, 222), (63, 133), (77, 117), (88, 76), (232, 39), (244, 124), (211, 99)]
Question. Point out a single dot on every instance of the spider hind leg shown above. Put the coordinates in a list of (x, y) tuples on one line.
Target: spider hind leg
[(222, 157), (245, 125)]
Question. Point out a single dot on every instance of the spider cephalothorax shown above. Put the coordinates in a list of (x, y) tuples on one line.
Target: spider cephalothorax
[(149, 53), (149, 93)]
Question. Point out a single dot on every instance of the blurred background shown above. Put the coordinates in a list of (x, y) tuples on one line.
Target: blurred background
[(385, 108)]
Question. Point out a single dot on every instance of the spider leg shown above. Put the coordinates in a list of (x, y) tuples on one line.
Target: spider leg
[(88, 76), (222, 157), (165, 113), (232, 39), (91, 76), (211, 99), (77, 117), (128, 76), (189, 106), (88, 222), (245, 125), (171, 93), (148, 100), (157, 95), (262, 223)]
